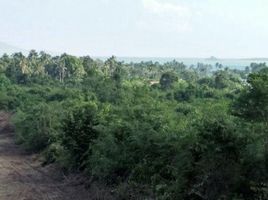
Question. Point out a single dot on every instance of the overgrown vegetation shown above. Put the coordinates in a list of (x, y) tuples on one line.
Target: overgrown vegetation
[(148, 130)]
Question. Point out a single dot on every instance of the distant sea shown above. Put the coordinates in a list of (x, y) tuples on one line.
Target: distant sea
[(231, 63)]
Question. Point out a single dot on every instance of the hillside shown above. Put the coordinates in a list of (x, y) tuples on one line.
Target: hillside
[(195, 133), (9, 49)]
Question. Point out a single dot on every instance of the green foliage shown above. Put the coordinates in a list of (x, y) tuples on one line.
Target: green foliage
[(185, 94), (217, 154), (174, 139), (38, 128), (80, 132), (256, 67), (167, 79), (253, 103), (4, 81)]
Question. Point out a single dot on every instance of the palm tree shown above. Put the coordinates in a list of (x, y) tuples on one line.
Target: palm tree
[(61, 68)]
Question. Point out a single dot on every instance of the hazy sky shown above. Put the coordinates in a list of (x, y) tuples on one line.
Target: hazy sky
[(175, 28)]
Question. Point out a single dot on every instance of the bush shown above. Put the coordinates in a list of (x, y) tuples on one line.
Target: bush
[(79, 132), (37, 128)]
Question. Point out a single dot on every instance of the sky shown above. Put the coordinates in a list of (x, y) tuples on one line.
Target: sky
[(138, 28)]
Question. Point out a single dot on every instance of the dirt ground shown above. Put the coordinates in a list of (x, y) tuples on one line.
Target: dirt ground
[(23, 178)]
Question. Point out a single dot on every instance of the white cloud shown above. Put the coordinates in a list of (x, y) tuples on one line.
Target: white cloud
[(174, 17)]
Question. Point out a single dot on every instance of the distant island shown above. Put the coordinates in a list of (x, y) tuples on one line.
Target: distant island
[(212, 58)]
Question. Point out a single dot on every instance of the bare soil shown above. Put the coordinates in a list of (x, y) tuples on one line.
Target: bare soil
[(23, 178)]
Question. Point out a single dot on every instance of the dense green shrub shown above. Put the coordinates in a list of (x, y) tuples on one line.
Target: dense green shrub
[(38, 128), (79, 132)]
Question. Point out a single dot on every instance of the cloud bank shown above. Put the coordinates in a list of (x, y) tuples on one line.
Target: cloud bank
[(167, 15)]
